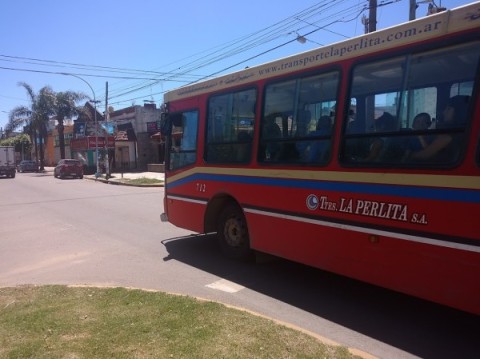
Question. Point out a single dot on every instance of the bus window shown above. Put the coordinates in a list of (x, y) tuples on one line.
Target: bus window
[(184, 139), (464, 88), (400, 89), (297, 122), (230, 123)]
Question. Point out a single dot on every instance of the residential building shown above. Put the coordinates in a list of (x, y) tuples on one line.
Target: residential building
[(135, 148)]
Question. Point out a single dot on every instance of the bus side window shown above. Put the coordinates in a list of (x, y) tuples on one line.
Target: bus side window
[(244, 147), (184, 139), (230, 125), (405, 86), (296, 105)]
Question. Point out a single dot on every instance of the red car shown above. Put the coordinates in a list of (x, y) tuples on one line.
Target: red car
[(68, 168)]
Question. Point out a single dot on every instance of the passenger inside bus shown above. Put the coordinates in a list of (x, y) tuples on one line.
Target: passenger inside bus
[(301, 132), (271, 132), (317, 150), (351, 121), (445, 146), (385, 123), (421, 123)]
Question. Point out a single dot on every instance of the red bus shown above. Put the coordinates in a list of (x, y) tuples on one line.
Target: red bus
[(361, 158)]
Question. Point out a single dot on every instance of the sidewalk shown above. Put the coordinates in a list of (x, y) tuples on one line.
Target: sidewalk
[(152, 179)]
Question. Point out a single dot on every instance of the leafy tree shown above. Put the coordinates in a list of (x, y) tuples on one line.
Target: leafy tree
[(65, 107), (35, 116), (21, 143)]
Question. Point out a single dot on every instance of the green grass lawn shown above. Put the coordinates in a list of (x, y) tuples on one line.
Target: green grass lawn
[(84, 322), (142, 181)]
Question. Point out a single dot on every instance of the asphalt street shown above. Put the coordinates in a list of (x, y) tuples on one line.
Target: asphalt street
[(84, 232)]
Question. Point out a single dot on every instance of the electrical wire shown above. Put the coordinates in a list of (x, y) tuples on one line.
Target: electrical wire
[(320, 16), (269, 34), (354, 11)]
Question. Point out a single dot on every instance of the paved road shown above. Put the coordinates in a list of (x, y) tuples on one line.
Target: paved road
[(86, 232)]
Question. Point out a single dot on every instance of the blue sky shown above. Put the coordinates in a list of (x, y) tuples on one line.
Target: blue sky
[(145, 47)]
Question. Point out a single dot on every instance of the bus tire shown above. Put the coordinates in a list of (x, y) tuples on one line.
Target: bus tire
[(232, 233)]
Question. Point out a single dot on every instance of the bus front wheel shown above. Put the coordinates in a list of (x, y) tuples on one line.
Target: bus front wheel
[(232, 233)]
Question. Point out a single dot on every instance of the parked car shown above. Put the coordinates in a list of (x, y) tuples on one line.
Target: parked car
[(68, 168), (27, 166)]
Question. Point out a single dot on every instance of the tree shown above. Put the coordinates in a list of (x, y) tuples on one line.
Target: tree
[(21, 143), (65, 107), (35, 117)]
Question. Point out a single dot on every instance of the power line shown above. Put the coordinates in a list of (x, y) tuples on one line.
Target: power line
[(33, 61), (256, 39), (183, 72), (342, 20), (87, 75)]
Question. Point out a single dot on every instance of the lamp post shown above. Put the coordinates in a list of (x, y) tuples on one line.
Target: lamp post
[(97, 174)]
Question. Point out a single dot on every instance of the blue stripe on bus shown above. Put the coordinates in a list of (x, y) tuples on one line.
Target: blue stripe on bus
[(450, 194)]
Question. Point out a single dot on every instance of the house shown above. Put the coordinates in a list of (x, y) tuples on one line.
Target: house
[(134, 146), (90, 142), (128, 135), (52, 146)]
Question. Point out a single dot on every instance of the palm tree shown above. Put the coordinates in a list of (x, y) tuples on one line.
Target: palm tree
[(35, 116), (65, 107)]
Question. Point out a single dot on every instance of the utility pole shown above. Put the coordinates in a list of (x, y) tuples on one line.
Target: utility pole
[(413, 10), (370, 22), (372, 16), (107, 163)]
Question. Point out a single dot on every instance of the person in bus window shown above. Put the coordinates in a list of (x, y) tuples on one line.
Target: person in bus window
[(271, 128), (445, 146), (271, 131), (301, 133), (351, 121), (385, 123), (317, 150), (421, 122)]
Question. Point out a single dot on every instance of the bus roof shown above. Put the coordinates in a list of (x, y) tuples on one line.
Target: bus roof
[(447, 22)]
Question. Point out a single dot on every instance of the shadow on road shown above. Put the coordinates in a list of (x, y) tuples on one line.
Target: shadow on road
[(418, 327)]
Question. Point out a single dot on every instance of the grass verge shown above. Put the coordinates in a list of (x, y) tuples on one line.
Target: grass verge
[(142, 181), (84, 322)]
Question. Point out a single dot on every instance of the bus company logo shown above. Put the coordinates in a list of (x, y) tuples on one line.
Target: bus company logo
[(312, 202)]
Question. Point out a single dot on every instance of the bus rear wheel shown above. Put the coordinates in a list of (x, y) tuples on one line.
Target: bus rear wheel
[(232, 233)]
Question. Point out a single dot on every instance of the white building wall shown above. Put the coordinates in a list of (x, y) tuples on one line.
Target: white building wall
[(143, 151)]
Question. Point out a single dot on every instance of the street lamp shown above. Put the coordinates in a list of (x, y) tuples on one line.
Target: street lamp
[(301, 39), (95, 118)]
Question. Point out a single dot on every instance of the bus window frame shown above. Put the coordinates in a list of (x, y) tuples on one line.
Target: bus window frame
[(323, 71), (238, 143), (410, 52), (169, 145)]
